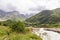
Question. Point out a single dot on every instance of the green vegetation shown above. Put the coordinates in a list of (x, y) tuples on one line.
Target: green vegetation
[(27, 36), (16, 36), (17, 26), (16, 30)]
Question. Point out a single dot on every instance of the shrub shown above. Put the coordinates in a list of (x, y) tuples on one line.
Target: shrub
[(8, 23), (18, 27)]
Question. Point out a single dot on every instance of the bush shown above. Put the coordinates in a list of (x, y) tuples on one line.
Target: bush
[(8, 23), (18, 27)]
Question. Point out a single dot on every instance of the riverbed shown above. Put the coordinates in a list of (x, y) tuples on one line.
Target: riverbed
[(47, 35)]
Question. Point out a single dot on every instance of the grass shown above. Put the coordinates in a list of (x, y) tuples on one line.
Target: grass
[(6, 35), (28, 36)]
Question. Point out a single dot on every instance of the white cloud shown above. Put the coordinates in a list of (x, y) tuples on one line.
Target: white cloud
[(24, 5), (49, 4)]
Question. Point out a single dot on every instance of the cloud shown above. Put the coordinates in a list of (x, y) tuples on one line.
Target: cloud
[(28, 6), (49, 4)]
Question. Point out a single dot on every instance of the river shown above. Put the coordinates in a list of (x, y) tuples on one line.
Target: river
[(47, 35)]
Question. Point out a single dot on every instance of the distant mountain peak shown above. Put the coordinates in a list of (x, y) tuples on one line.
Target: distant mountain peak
[(15, 15)]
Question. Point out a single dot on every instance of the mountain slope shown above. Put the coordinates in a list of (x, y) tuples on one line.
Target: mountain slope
[(14, 15), (46, 17)]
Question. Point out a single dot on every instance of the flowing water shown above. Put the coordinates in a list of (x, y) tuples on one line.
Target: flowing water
[(47, 35)]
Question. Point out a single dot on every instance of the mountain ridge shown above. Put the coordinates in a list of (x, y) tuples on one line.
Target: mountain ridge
[(14, 15)]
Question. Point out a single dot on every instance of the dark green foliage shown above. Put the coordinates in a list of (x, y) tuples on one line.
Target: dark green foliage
[(8, 23), (17, 26)]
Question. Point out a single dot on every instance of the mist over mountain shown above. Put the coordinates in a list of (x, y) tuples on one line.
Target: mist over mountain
[(14, 15), (29, 15), (29, 6)]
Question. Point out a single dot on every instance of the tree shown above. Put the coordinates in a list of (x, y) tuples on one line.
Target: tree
[(18, 27)]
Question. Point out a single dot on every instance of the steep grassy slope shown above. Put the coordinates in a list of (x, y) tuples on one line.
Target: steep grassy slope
[(46, 17)]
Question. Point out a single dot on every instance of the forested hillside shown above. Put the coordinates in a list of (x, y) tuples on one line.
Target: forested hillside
[(46, 17)]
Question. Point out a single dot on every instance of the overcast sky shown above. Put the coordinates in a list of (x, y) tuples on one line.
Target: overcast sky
[(28, 6)]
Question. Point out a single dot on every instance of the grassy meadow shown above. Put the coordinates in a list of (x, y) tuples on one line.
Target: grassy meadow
[(6, 33)]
